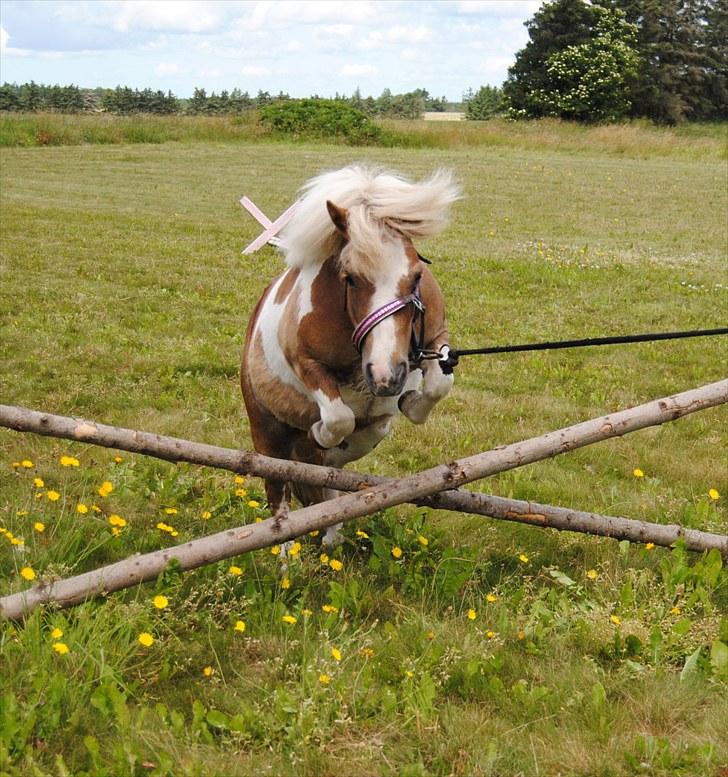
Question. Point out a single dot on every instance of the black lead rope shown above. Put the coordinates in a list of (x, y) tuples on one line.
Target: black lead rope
[(453, 355)]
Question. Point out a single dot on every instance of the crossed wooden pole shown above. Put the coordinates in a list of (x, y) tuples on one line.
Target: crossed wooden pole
[(438, 487)]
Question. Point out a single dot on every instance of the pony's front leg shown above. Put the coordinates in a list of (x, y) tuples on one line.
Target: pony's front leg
[(417, 405), (337, 419)]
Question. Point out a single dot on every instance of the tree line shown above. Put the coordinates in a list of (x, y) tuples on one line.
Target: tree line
[(122, 100)]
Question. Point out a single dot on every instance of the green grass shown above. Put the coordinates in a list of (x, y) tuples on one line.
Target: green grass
[(124, 297)]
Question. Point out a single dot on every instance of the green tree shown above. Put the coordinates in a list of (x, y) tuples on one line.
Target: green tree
[(593, 80), (553, 28), (684, 68), (486, 103)]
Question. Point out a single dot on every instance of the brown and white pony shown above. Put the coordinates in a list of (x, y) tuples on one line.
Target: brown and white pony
[(328, 360)]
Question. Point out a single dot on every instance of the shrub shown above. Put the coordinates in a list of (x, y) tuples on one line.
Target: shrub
[(316, 118)]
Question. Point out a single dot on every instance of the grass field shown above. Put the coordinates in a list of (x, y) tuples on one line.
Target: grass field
[(485, 648)]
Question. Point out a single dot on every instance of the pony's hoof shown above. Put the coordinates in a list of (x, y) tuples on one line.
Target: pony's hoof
[(333, 537)]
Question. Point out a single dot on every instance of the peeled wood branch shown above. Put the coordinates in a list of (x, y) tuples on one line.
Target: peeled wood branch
[(387, 494), (247, 463)]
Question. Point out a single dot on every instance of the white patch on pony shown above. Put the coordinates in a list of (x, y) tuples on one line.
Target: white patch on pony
[(337, 420), (394, 266), (417, 405), (304, 285), (267, 325)]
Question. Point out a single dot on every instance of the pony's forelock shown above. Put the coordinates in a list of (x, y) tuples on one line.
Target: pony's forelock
[(381, 206)]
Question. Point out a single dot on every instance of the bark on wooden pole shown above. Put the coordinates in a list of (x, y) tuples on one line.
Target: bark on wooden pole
[(232, 542), (246, 463)]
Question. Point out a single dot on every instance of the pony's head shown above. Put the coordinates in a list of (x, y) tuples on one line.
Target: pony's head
[(368, 219)]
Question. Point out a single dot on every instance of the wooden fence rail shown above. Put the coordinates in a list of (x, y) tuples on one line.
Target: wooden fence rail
[(436, 487)]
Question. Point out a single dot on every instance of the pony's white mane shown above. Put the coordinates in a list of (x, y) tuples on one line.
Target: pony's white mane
[(380, 204)]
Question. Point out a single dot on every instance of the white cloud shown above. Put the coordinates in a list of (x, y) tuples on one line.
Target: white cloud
[(192, 16), (164, 69), (407, 34), (254, 70), (358, 70), (501, 8)]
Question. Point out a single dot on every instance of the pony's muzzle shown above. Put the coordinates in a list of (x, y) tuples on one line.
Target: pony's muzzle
[(387, 384)]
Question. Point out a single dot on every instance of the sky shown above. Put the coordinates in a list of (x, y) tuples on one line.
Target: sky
[(302, 47)]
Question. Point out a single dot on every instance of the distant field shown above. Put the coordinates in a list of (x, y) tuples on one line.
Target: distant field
[(124, 298)]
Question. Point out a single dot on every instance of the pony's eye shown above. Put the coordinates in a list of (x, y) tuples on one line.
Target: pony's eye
[(349, 280)]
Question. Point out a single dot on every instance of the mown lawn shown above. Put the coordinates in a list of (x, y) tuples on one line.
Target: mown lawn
[(485, 648)]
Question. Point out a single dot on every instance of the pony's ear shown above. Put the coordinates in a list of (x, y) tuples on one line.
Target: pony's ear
[(339, 216)]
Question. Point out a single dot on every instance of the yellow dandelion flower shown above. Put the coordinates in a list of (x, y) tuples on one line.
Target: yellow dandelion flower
[(258, 519), (56, 633), (252, 503), (206, 515), (397, 552), (423, 541), (430, 635), (118, 459), (638, 473), (324, 679), (490, 634), (295, 549), (39, 527), (27, 463), (714, 494), (491, 598), (160, 602), (27, 573), (54, 496), (81, 509), (239, 480), (241, 492), (523, 558), (521, 635), (15, 464), (174, 533), (117, 520), (409, 673), (616, 620), (306, 612), (336, 654), (38, 482), (239, 626), (61, 648), (675, 611), (472, 615), (69, 461), (235, 571), (170, 511), (336, 565), (362, 534), (96, 508), (650, 546), (314, 533), (146, 639), (592, 574), (329, 608), (39, 495), (275, 550), (208, 671), (290, 619), (323, 558), (285, 583), (16, 540), (21, 513), (115, 531), (367, 652), (105, 488)]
